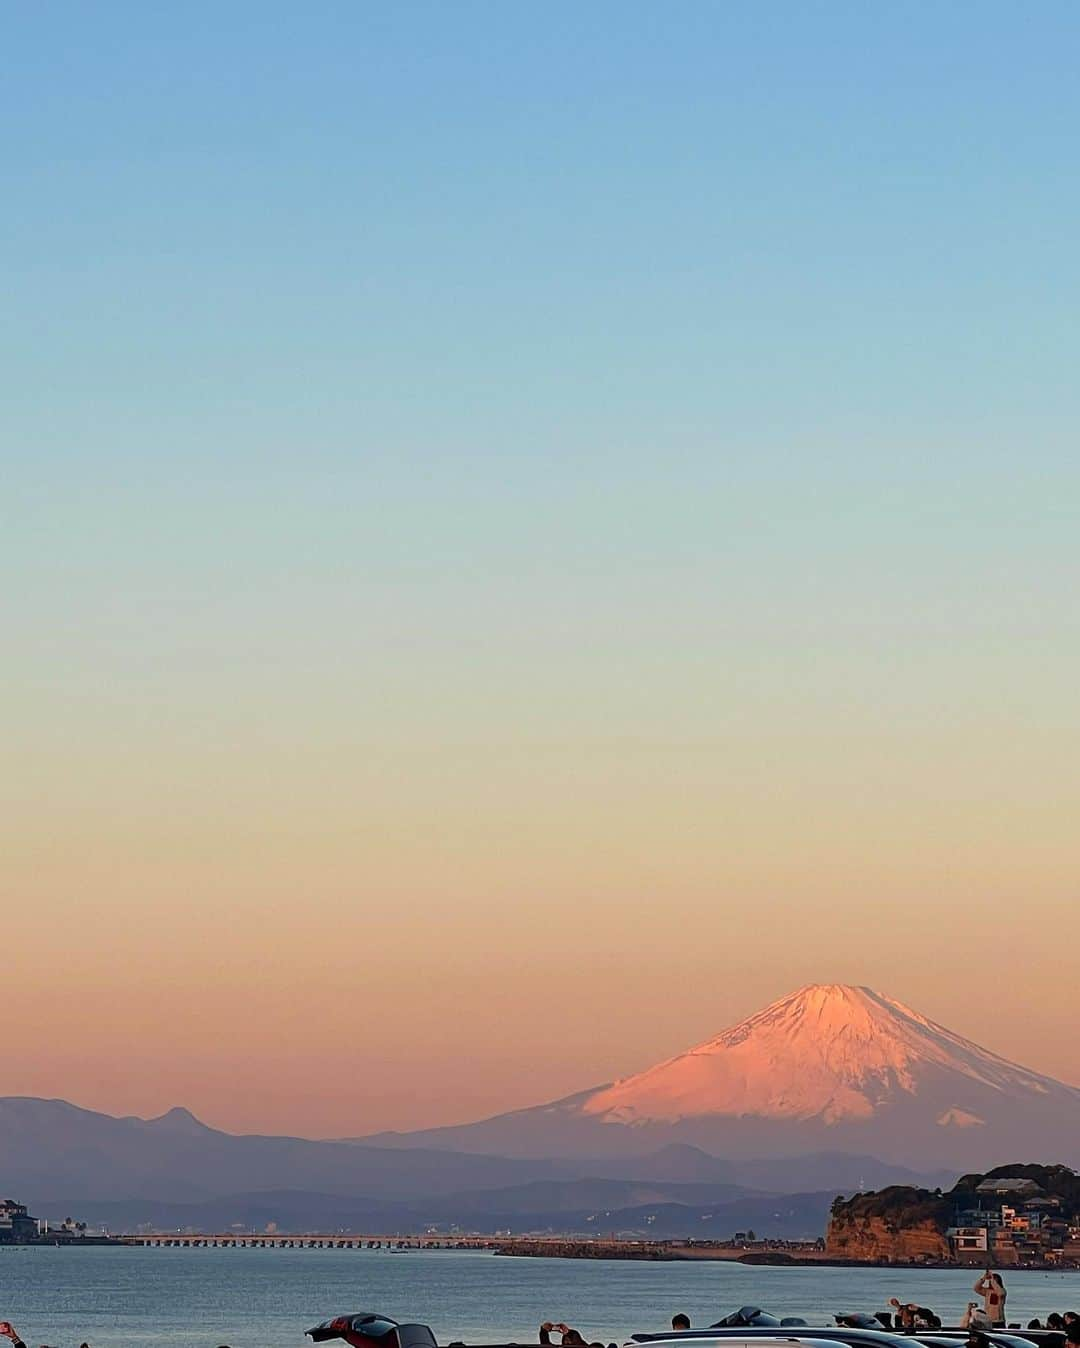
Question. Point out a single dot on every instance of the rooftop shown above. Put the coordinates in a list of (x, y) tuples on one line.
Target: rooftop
[(1008, 1186)]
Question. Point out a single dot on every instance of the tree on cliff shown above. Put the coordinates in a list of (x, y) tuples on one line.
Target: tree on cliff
[(898, 1205)]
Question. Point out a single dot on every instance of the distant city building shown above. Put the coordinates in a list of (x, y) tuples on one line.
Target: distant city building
[(968, 1239), (16, 1225), (1029, 1230)]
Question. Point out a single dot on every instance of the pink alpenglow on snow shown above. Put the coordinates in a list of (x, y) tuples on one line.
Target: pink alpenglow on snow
[(829, 1069), (827, 1051)]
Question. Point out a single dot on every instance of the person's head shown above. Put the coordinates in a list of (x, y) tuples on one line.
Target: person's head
[(1070, 1318), (572, 1339), (995, 1278), (680, 1321), (895, 1302), (1054, 1321)]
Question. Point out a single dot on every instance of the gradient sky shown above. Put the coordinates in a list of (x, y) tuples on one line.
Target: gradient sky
[(530, 531)]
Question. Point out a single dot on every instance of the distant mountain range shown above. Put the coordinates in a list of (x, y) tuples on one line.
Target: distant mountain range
[(569, 1207), (49, 1148), (830, 1068), (827, 1091), (174, 1171)]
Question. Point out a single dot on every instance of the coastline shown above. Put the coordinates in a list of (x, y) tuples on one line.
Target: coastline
[(793, 1255), (769, 1257)]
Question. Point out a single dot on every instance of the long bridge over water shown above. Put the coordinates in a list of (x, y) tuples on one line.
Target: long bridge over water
[(280, 1241), (536, 1246)]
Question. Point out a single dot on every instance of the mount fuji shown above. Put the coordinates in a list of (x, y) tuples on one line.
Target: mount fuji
[(828, 1069)]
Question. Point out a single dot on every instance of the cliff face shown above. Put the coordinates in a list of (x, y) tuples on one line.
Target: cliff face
[(880, 1238)]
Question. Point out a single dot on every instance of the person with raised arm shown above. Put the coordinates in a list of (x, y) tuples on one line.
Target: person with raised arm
[(992, 1290)]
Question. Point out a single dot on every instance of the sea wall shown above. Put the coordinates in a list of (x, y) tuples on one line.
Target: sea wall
[(587, 1249)]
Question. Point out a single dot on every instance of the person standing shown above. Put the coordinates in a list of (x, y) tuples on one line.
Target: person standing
[(992, 1290)]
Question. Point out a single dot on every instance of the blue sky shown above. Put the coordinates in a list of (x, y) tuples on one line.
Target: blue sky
[(518, 288), (534, 231)]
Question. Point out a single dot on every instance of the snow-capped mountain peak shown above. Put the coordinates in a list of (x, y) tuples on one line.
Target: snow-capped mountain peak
[(830, 1071), (829, 1051)]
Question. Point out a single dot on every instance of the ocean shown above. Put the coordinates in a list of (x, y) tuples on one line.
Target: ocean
[(250, 1298)]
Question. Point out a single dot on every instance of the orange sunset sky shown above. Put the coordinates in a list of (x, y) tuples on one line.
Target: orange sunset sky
[(526, 539), (230, 903)]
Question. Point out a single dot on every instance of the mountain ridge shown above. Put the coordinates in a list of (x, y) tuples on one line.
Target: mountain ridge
[(832, 1081), (829, 1068), (53, 1151)]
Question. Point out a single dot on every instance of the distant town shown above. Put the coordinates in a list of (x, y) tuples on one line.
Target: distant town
[(1018, 1215), (1015, 1216), (18, 1227)]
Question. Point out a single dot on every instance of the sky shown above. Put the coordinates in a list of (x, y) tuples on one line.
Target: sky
[(529, 532)]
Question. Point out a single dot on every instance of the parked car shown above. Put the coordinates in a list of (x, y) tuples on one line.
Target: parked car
[(814, 1335), (851, 1338), (724, 1336)]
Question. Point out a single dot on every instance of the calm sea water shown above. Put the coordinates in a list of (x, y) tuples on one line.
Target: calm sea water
[(149, 1298)]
